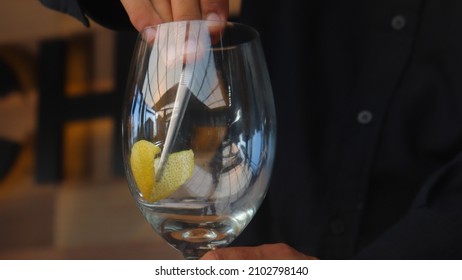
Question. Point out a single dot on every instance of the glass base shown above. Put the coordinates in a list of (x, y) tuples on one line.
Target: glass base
[(202, 237)]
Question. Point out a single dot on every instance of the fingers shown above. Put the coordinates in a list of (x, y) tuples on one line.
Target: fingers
[(231, 253), (144, 13), (185, 9), (163, 9), (141, 13), (279, 251), (215, 9), (200, 9)]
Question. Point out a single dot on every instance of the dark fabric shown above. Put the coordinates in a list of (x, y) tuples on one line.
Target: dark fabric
[(369, 105), (107, 13), (69, 7)]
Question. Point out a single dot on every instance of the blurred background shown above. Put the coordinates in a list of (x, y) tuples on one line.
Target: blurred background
[(63, 193)]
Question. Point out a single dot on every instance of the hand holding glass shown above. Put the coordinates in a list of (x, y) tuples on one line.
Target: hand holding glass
[(198, 131)]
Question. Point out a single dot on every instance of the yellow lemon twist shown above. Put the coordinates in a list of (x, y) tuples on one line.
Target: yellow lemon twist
[(178, 169)]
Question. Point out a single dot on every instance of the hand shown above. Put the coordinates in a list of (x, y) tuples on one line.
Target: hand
[(278, 251), (144, 13)]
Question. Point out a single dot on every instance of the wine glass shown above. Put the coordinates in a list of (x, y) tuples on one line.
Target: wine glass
[(198, 131)]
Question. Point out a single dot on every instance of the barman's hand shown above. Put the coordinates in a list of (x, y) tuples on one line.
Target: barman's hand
[(278, 251), (144, 13)]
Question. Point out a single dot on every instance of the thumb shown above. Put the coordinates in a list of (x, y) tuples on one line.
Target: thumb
[(278, 251)]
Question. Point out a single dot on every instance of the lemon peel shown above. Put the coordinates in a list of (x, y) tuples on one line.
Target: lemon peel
[(178, 169)]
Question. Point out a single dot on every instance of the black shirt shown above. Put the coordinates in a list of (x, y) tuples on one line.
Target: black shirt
[(369, 105)]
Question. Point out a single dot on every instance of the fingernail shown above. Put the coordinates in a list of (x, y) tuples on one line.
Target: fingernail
[(213, 17), (149, 34)]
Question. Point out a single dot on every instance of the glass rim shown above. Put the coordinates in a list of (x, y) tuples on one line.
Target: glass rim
[(248, 32), (223, 22)]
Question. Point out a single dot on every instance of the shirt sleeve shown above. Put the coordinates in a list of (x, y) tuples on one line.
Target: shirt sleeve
[(70, 7), (108, 13)]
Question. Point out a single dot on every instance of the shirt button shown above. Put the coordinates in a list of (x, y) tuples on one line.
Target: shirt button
[(337, 227), (364, 117), (398, 22)]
